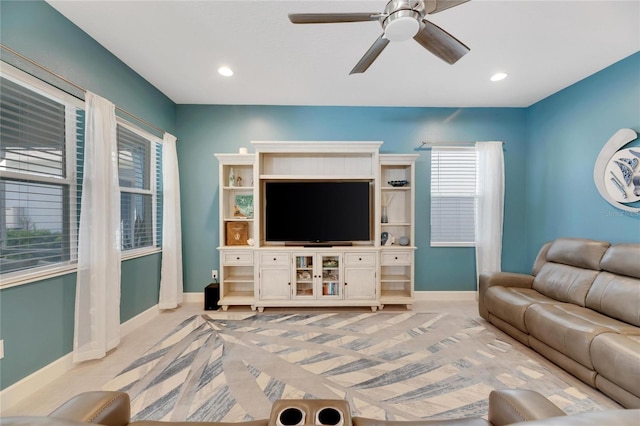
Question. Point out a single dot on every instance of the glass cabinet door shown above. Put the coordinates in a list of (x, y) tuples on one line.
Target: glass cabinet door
[(331, 276), (303, 277)]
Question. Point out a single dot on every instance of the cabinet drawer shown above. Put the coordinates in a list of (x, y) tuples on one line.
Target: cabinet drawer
[(237, 258), (360, 259), (397, 258), (275, 258)]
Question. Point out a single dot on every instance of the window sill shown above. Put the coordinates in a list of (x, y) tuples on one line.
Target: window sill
[(453, 244), (33, 276), (30, 277), (132, 254)]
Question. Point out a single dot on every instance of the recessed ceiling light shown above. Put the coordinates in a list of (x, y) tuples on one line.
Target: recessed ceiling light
[(225, 71), (499, 76)]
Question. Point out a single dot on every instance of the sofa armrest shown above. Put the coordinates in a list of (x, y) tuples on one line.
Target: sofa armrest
[(518, 405), (503, 279), (592, 418), (471, 421), (38, 421), (108, 408)]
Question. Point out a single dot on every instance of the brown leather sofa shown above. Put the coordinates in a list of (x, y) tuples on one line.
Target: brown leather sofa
[(506, 407), (580, 308)]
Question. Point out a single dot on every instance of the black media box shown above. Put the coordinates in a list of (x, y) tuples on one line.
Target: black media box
[(211, 297)]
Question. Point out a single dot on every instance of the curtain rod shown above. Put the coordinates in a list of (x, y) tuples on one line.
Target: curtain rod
[(82, 89), (426, 145)]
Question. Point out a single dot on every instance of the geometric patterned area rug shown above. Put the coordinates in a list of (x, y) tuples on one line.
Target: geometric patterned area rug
[(393, 366)]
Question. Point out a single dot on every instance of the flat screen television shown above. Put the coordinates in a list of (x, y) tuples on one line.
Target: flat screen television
[(317, 212)]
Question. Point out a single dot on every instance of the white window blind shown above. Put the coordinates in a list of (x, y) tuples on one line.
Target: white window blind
[(140, 174), (40, 131), (453, 196)]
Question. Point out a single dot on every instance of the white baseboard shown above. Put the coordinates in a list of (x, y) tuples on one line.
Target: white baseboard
[(198, 297), (47, 374), (139, 320), (446, 295), (419, 295), (193, 297), (25, 387)]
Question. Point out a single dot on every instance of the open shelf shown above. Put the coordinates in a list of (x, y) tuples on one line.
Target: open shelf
[(395, 294), (237, 226), (248, 189), (239, 294), (395, 278), (396, 188), (397, 261), (240, 278)]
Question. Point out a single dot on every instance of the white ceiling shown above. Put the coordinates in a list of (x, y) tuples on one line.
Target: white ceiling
[(178, 46)]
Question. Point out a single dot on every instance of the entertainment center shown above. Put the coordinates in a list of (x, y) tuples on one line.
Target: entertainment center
[(316, 224)]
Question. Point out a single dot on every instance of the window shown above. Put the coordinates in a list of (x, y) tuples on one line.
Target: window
[(41, 129), (453, 196), (41, 171), (140, 174)]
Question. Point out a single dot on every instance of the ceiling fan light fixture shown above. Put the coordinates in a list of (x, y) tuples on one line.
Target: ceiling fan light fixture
[(400, 20), (401, 26)]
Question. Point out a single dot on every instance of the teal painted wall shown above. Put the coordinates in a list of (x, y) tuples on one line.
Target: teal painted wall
[(205, 130), (140, 285), (36, 320), (567, 131), (36, 323)]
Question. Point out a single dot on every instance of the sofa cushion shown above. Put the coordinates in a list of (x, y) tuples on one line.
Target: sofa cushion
[(616, 296), (617, 358), (564, 283), (578, 252), (541, 259), (570, 329), (622, 259), (615, 392), (510, 303)]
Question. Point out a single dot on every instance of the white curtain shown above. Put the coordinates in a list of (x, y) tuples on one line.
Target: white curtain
[(490, 208), (97, 309), (171, 272)]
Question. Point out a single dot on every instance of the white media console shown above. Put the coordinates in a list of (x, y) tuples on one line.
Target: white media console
[(261, 273)]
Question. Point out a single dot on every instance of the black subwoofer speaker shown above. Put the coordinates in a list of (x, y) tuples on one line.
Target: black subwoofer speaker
[(211, 297)]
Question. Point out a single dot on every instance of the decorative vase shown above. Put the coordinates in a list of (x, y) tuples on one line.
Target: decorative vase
[(383, 217), (232, 177)]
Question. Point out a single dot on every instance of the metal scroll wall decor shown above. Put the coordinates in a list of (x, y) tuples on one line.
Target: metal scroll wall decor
[(617, 171)]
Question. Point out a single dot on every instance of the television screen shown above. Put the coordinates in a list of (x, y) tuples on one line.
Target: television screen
[(317, 211)]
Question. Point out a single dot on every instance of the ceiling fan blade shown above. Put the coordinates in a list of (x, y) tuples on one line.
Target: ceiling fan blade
[(446, 4), (329, 18), (440, 43), (374, 51)]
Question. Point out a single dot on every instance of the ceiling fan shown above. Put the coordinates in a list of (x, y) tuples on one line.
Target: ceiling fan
[(400, 21)]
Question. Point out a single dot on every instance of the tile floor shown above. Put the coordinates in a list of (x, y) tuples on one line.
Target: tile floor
[(93, 375)]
